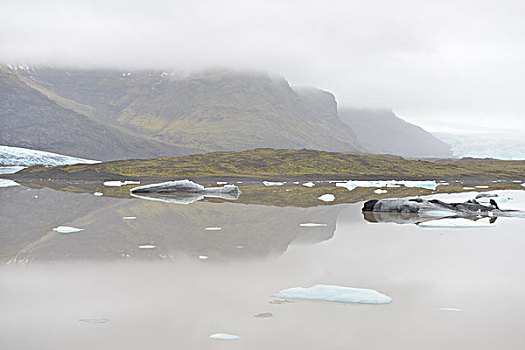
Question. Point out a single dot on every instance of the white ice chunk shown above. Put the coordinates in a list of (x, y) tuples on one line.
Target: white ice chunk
[(225, 336), (147, 246), (120, 183), (203, 257), (380, 191), (308, 184), (296, 183), (454, 223), (452, 309), (270, 183), (213, 228), (327, 197), (336, 293), (523, 185), (98, 194), (312, 224), (221, 182), (67, 229), (129, 217), (482, 186), (7, 183), (517, 181), (352, 184)]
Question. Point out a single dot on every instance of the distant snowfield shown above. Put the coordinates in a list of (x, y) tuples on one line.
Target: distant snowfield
[(28, 157)]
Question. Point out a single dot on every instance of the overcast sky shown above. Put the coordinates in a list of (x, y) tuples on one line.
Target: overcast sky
[(434, 62)]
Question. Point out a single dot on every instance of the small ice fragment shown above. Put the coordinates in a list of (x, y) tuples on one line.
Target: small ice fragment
[(517, 181), (147, 246), (454, 223), (203, 257), (450, 309), (94, 320), (224, 336), (35, 197), (469, 188), (296, 183), (312, 224), (380, 191), (67, 229), (120, 183), (129, 217), (336, 294), (239, 246), (213, 228), (221, 182), (98, 194), (308, 184), (263, 315), (482, 186), (270, 183), (327, 197), (523, 185)]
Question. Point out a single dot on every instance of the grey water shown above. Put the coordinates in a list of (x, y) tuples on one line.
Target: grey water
[(451, 288)]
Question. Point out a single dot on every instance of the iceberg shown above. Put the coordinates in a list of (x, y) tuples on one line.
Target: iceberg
[(213, 228), (67, 229), (8, 183), (28, 157), (203, 257), (352, 184), (120, 183), (270, 183), (147, 246), (225, 336), (183, 192), (380, 191), (308, 184), (335, 294), (327, 197), (129, 217), (98, 194)]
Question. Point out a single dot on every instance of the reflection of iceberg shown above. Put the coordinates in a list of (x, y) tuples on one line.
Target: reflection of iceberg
[(184, 192), (336, 293), (350, 185)]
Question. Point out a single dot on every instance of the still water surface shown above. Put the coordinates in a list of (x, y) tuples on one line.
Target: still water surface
[(451, 288)]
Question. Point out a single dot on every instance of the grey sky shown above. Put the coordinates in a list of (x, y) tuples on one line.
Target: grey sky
[(432, 61)]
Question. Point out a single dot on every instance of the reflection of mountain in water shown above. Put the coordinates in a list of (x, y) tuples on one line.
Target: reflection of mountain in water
[(247, 231)]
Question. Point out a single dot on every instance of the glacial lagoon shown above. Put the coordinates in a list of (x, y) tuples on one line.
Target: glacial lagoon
[(151, 274)]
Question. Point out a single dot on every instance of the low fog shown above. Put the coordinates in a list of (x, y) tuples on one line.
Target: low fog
[(440, 64)]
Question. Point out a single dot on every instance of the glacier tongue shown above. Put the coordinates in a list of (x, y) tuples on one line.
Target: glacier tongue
[(28, 157)]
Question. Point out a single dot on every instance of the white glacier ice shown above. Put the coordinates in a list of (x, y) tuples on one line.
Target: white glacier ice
[(98, 194), (10, 169), (120, 183), (270, 183), (129, 217), (352, 184), (312, 224), (7, 183), (67, 229), (308, 184), (335, 293), (147, 246), (203, 257), (327, 197), (213, 228), (380, 191), (224, 336), (28, 157)]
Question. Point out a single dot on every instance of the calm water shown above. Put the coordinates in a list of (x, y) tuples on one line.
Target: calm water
[(451, 288)]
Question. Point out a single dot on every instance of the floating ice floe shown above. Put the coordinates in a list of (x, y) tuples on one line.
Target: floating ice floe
[(28, 157), (327, 197), (183, 192), (147, 246), (523, 185), (120, 183), (296, 182), (380, 191), (336, 294), (203, 257), (482, 186), (308, 184), (213, 228), (225, 336), (270, 183), (312, 224), (129, 217), (67, 229), (98, 194), (221, 182), (454, 223), (352, 184), (8, 183), (451, 309), (469, 188)]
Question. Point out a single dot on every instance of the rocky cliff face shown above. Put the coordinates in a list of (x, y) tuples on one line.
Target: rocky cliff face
[(381, 131)]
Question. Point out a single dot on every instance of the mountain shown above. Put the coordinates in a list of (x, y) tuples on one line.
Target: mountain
[(29, 157), (30, 118), (381, 131), (209, 111)]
